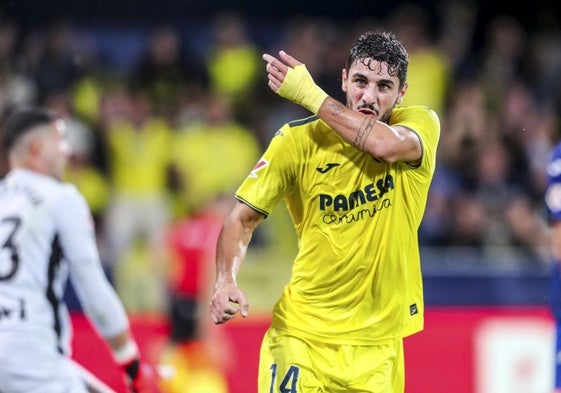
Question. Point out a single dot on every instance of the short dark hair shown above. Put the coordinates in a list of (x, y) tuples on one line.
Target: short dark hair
[(383, 47), (23, 120)]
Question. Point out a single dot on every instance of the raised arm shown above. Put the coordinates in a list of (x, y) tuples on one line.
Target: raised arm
[(290, 79)]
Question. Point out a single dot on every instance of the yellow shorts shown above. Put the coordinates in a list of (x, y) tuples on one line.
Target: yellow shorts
[(290, 364)]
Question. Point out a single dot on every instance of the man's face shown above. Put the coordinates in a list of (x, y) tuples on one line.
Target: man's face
[(371, 90)]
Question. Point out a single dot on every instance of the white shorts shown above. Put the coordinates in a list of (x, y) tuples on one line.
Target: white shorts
[(27, 365)]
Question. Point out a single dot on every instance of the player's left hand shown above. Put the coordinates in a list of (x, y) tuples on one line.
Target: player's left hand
[(290, 79), (227, 301)]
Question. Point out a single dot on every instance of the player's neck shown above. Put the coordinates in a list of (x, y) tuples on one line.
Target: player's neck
[(32, 165)]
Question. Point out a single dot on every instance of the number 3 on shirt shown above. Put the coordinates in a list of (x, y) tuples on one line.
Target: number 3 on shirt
[(8, 246), (288, 383)]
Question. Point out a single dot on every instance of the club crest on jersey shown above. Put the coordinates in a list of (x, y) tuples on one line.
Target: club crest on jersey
[(262, 163)]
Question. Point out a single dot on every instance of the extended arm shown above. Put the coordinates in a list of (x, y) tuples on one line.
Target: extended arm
[(289, 78), (97, 297), (227, 299)]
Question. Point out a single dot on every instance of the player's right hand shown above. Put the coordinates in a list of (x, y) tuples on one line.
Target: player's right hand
[(226, 302), (290, 79)]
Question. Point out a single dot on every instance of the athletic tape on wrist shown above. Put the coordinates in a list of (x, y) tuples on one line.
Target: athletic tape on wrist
[(299, 87)]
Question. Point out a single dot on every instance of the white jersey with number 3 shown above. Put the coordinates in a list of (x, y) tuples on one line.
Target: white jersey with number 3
[(46, 234)]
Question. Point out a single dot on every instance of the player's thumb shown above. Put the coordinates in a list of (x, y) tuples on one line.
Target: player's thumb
[(244, 306)]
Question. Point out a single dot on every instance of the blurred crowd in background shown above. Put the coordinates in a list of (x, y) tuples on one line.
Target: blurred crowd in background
[(166, 120)]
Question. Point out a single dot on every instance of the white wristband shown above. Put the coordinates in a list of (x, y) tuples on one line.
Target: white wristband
[(126, 353)]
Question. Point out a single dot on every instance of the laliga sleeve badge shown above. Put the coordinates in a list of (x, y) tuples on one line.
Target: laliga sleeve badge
[(261, 164)]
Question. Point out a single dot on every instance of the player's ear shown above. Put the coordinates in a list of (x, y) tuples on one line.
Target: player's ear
[(401, 94), (344, 80), (35, 145)]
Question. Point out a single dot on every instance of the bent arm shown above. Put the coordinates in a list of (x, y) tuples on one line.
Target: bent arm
[(387, 143), (290, 79), (231, 251)]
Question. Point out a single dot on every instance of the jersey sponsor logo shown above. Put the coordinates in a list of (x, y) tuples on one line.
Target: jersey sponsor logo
[(370, 193), (328, 167), (262, 163), (338, 207), (413, 309)]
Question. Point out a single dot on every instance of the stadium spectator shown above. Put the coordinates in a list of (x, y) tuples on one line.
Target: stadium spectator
[(139, 209), (55, 67), (162, 72), (430, 69), (212, 155), (232, 63), (198, 351)]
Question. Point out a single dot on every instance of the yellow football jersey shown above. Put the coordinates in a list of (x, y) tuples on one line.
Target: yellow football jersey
[(139, 158), (356, 278)]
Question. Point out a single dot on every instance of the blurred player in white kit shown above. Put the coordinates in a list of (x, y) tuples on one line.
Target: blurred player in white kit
[(47, 235)]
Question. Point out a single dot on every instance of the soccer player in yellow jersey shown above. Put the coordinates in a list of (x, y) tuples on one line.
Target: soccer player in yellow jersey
[(355, 179)]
